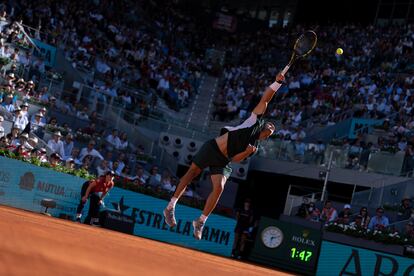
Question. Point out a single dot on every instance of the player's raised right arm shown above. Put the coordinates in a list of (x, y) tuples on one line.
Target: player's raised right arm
[(268, 95)]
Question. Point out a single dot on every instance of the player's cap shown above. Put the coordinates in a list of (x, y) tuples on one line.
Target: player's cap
[(70, 160), (347, 206)]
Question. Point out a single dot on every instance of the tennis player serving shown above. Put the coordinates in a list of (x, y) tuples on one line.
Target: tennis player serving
[(234, 145)]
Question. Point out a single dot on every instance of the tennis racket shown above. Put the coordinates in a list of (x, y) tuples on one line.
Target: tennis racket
[(303, 47)]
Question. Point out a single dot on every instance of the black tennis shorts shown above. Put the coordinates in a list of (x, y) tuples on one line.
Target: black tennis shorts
[(210, 156)]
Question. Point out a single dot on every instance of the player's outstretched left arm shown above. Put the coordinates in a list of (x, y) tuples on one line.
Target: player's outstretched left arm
[(268, 95)]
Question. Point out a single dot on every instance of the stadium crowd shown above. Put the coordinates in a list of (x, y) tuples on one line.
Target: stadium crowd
[(370, 80), (362, 220), (121, 49), (37, 136)]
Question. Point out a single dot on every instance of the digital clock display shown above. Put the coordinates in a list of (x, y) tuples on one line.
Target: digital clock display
[(301, 255)]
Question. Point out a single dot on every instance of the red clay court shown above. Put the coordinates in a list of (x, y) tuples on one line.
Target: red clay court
[(34, 244)]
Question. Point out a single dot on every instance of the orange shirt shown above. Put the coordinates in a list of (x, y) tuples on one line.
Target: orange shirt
[(102, 186)]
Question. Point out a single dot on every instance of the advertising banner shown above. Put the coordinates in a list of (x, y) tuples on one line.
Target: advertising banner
[(23, 185), (47, 52), (337, 259)]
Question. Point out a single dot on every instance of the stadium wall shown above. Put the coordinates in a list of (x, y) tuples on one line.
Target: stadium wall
[(23, 185)]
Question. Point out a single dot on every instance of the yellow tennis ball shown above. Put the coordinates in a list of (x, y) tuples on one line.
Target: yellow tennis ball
[(339, 51)]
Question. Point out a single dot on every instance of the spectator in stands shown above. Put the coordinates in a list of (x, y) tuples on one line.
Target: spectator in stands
[(14, 135), (102, 168), (43, 111), (319, 152), (244, 227), (36, 122), (113, 140), (22, 152), (405, 211), (41, 155), (140, 175), (90, 129), (329, 213), (313, 212), (83, 114), (23, 138), (56, 145), (115, 168), (25, 109), (125, 173), (90, 150), (379, 221), (70, 164), (358, 222), (303, 208), (32, 143), (54, 159), (87, 162), (409, 230), (123, 142), (345, 215), (19, 119), (8, 103), (121, 163), (166, 181), (75, 156), (53, 122), (1, 127), (363, 212), (300, 148), (68, 145), (154, 178)]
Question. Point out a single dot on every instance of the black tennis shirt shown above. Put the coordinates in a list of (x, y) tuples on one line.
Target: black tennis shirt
[(241, 136)]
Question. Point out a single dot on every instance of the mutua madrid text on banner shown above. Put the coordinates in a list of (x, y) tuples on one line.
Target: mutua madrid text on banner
[(23, 185)]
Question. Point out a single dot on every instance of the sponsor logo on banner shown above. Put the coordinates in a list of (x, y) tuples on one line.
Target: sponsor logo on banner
[(304, 238), (338, 259), (27, 181), (149, 218)]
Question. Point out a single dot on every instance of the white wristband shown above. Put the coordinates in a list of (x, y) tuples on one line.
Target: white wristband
[(275, 86)]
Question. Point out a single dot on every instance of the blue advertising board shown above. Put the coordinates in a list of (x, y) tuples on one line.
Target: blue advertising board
[(23, 185), (46, 52), (338, 259)]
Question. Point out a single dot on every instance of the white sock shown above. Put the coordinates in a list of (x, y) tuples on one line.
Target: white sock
[(203, 218), (172, 203), (78, 215)]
